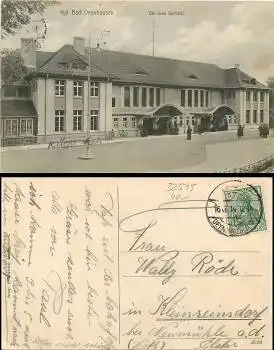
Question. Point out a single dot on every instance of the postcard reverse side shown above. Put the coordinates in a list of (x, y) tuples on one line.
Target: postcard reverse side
[(147, 263)]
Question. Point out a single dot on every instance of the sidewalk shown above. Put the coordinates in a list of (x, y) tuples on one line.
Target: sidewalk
[(232, 155), (117, 140)]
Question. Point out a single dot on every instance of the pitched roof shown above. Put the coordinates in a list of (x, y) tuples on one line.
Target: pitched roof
[(157, 70), (234, 77), (134, 68), (17, 108), (52, 64)]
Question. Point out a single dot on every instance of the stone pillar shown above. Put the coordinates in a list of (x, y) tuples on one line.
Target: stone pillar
[(251, 106), (108, 107), (69, 107), (122, 96), (131, 96), (50, 109), (266, 117), (140, 97), (41, 107), (242, 110), (102, 109)]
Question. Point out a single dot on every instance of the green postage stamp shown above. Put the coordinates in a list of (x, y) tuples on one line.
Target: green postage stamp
[(245, 210)]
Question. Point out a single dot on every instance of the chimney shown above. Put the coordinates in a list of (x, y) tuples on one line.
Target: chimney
[(79, 45), (28, 51), (237, 65)]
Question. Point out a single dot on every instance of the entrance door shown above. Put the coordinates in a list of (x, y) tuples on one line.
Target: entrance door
[(148, 125)]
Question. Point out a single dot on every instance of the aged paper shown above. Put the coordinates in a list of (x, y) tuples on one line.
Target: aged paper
[(136, 263)]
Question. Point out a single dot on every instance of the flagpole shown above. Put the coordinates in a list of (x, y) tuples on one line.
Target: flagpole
[(88, 154)]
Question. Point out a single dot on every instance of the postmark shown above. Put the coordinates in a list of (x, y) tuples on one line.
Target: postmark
[(238, 209)]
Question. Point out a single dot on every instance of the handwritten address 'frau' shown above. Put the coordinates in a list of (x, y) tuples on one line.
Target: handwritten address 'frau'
[(90, 263)]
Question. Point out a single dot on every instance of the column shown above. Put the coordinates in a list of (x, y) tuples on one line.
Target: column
[(131, 96), (266, 117), (50, 112), (86, 111), (69, 106), (140, 96), (251, 106), (108, 106), (199, 98), (242, 110), (122, 96), (244, 106), (41, 106), (102, 109)]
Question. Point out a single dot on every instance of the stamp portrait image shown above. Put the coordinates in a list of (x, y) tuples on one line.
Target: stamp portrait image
[(137, 86), (238, 209)]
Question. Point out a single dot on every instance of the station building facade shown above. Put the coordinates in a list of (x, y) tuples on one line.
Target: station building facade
[(76, 91)]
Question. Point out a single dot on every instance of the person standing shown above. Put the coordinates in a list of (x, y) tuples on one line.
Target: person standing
[(189, 131), (240, 131)]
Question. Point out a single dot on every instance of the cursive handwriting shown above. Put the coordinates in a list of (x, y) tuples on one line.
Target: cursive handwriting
[(162, 265), (34, 196), (56, 207), (33, 227), (44, 306), (204, 263)]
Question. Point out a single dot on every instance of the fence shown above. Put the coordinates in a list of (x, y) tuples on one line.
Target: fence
[(65, 141), (256, 167), (18, 141)]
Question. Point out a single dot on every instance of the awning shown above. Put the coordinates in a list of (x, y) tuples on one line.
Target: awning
[(16, 108)]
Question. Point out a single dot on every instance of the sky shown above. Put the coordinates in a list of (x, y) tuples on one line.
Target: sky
[(219, 32)]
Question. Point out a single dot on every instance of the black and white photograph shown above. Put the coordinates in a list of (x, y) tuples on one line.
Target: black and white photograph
[(137, 86)]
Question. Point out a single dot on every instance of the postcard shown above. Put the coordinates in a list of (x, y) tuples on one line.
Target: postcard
[(137, 86), (137, 263)]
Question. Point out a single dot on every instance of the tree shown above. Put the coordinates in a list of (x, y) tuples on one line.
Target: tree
[(17, 13), (12, 67)]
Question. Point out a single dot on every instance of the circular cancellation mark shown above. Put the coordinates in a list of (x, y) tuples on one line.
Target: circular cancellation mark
[(235, 209)]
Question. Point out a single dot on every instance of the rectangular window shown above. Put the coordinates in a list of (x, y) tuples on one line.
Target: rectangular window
[(189, 98), (207, 99), (158, 97), (181, 122), (255, 96), (248, 95), (133, 122), (94, 89), (255, 121), (261, 116), (124, 123), (26, 127), (144, 97), (115, 123), (202, 98), (151, 97), (247, 116), (24, 91), (196, 98), (94, 120), (113, 102), (10, 91), (12, 127), (233, 94), (135, 96), (77, 88), (59, 87), (77, 120), (126, 96), (183, 98), (262, 96), (59, 120)]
